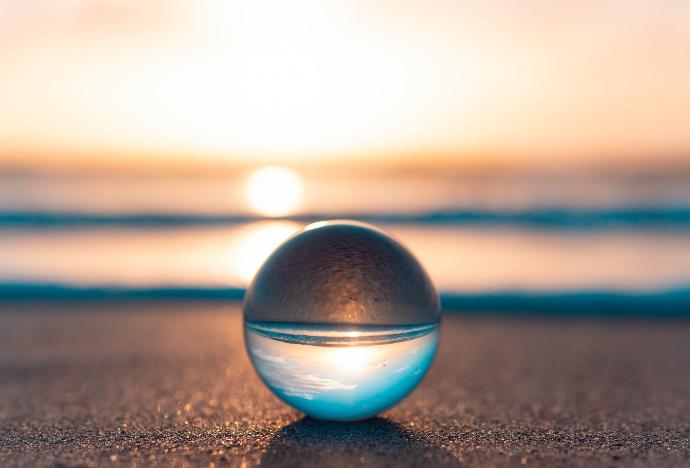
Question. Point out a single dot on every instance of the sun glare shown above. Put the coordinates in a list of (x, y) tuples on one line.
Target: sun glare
[(254, 244), (274, 191)]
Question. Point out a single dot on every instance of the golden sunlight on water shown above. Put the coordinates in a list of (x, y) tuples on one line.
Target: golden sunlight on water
[(458, 258), (254, 243), (274, 191)]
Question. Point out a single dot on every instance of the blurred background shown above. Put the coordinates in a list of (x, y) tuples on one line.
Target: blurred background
[(531, 154)]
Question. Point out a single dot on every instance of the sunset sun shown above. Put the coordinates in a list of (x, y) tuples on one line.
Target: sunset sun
[(274, 191)]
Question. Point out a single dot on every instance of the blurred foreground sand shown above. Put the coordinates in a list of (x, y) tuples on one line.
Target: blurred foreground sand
[(169, 383)]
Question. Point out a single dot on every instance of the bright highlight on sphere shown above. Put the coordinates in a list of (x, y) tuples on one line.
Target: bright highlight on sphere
[(274, 190)]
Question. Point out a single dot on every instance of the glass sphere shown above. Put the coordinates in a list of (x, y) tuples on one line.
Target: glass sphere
[(341, 321)]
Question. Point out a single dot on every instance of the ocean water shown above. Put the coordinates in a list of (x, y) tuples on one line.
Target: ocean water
[(480, 238), (341, 372), (459, 258)]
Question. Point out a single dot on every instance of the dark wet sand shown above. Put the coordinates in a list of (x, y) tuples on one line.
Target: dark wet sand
[(169, 384)]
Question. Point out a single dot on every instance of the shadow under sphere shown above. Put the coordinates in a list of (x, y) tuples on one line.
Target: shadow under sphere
[(372, 442)]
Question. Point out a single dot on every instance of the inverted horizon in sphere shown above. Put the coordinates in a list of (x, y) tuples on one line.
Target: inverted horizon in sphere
[(348, 379)]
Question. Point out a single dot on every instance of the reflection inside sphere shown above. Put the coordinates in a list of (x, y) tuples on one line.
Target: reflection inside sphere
[(341, 373)]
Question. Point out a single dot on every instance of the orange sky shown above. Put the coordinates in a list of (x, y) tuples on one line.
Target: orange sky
[(194, 82)]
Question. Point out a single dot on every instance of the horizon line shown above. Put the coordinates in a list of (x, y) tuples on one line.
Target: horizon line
[(662, 303), (676, 216)]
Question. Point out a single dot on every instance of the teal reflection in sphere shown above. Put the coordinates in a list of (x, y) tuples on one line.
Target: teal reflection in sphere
[(341, 321)]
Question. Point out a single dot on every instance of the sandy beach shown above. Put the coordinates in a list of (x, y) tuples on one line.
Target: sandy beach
[(156, 383)]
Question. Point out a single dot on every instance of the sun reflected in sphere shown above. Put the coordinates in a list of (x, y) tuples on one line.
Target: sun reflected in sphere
[(274, 191), (350, 358)]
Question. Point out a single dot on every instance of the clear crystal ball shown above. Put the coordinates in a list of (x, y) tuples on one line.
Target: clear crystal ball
[(341, 321)]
